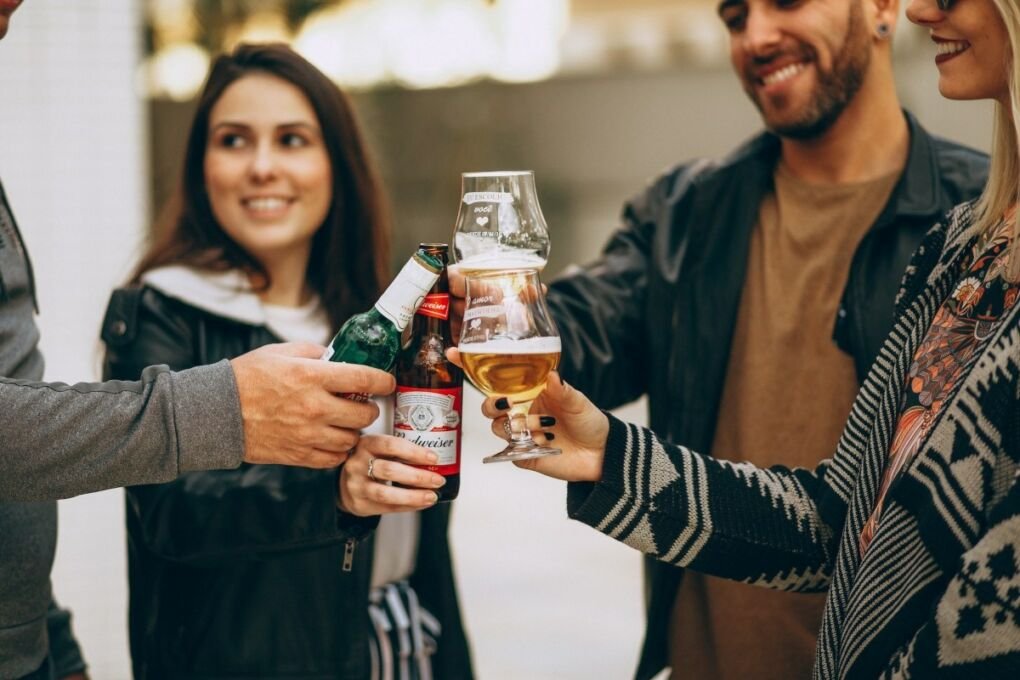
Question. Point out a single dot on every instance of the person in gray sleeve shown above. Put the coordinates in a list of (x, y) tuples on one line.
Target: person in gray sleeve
[(277, 404)]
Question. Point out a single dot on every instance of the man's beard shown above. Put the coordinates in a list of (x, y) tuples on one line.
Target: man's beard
[(835, 89)]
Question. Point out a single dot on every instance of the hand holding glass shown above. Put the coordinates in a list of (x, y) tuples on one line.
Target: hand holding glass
[(508, 345)]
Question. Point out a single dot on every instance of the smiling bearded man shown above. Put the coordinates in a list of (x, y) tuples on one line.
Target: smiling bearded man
[(748, 297)]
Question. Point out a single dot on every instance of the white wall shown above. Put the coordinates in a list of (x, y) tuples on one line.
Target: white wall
[(72, 160)]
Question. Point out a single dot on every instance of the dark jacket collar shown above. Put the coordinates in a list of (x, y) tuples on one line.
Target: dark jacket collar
[(917, 193)]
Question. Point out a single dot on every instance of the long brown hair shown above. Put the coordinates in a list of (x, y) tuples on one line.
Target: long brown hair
[(349, 262)]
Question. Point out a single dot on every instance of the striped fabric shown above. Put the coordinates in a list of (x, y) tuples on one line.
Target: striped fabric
[(938, 592), (404, 634)]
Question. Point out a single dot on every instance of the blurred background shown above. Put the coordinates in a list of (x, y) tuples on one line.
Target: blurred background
[(595, 96)]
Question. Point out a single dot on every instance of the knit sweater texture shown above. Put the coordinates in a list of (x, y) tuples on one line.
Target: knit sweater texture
[(937, 595)]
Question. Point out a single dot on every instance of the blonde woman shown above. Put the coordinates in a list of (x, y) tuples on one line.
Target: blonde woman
[(913, 526)]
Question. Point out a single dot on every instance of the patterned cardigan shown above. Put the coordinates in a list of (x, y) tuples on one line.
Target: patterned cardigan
[(938, 591)]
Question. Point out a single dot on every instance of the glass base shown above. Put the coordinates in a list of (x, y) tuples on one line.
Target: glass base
[(521, 451)]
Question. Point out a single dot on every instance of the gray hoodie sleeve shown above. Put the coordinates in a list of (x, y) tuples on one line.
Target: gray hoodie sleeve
[(59, 440)]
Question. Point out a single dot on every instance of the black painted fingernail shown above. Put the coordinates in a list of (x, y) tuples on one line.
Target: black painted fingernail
[(549, 436), (502, 403), (547, 421)]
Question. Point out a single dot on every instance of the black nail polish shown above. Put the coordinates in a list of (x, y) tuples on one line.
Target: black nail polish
[(547, 421), (549, 436), (502, 403)]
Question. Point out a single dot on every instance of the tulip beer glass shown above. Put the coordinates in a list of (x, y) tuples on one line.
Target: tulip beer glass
[(508, 346), (500, 224)]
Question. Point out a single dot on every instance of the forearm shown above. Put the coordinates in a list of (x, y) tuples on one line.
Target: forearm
[(63, 440), (732, 521)]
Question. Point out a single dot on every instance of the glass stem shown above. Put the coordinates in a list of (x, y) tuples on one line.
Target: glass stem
[(519, 413)]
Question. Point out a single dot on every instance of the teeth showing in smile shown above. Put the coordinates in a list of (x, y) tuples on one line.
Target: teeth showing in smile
[(782, 74), (266, 204), (944, 48)]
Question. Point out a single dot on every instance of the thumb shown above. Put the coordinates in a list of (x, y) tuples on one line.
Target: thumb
[(569, 400), (300, 350), (453, 355)]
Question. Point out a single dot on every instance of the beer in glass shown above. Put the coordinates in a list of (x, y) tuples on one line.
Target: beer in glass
[(508, 345)]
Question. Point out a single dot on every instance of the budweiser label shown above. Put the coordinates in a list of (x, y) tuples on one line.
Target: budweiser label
[(436, 305), (431, 418)]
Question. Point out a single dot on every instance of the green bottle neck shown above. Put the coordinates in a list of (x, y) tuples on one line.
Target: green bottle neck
[(402, 297)]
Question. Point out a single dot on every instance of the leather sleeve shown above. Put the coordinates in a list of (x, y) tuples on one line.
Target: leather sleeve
[(600, 309), (208, 517)]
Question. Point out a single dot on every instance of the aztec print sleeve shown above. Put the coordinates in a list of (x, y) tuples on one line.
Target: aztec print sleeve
[(973, 629), (729, 520)]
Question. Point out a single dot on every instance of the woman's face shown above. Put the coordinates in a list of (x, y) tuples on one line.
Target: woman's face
[(972, 47), (267, 171)]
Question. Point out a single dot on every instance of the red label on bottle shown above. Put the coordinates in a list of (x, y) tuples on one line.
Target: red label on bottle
[(431, 418), (436, 305)]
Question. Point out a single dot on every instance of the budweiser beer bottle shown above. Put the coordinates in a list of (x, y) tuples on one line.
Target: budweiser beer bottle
[(429, 395)]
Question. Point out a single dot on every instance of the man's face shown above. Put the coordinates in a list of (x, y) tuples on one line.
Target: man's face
[(7, 8), (800, 61)]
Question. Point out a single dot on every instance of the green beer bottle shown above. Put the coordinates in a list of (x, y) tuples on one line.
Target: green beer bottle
[(372, 338)]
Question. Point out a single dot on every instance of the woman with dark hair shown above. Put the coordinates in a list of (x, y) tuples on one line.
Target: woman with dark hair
[(278, 232)]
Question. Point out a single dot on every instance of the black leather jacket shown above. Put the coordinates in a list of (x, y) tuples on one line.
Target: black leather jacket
[(239, 573), (655, 314)]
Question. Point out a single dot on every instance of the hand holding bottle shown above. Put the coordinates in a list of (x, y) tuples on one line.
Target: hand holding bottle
[(290, 408), (369, 481)]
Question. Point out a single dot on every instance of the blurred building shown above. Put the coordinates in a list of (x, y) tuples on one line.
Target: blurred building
[(595, 96)]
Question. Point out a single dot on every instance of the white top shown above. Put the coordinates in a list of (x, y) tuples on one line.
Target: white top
[(229, 295), (308, 323)]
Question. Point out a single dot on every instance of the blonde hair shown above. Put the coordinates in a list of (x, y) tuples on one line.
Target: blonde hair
[(1003, 188)]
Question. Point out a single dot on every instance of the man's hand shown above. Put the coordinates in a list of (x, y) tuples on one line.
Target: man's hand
[(291, 409)]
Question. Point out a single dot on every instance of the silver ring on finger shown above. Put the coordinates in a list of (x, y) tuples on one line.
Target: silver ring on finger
[(371, 470), (508, 428)]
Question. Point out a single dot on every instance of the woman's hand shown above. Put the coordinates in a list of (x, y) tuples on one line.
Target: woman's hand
[(379, 460), (566, 418), (563, 416)]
